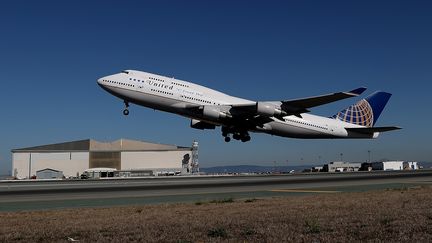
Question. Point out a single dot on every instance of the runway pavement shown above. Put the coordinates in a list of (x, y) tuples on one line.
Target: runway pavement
[(29, 195)]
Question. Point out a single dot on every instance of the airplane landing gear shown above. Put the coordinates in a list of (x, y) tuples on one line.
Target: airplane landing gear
[(225, 134), (126, 110), (245, 138), (236, 134)]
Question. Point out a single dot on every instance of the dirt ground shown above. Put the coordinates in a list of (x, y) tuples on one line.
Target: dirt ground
[(403, 215)]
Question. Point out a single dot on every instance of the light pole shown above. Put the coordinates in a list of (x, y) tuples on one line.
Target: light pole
[(369, 154), (341, 156), (30, 165)]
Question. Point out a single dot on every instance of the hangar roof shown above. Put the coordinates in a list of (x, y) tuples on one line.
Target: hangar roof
[(96, 146)]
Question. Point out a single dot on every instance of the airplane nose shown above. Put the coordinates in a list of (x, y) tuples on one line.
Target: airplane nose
[(99, 81)]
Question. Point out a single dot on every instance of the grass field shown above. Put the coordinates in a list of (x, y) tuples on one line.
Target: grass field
[(398, 215)]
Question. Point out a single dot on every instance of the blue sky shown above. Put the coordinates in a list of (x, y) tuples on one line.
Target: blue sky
[(52, 52)]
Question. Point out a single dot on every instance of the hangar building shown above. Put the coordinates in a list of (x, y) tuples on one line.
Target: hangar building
[(339, 166), (127, 156), (394, 165)]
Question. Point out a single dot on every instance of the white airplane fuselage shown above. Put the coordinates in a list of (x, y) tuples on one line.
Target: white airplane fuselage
[(181, 97)]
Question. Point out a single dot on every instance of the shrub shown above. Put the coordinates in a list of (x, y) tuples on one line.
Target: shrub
[(225, 200), (312, 226), (217, 232)]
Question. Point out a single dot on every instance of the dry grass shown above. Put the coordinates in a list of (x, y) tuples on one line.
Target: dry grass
[(390, 216)]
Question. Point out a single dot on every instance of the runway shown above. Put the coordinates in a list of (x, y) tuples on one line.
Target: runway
[(29, 195)]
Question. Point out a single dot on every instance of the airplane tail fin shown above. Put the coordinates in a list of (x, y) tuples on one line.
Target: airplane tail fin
[(365, 112)]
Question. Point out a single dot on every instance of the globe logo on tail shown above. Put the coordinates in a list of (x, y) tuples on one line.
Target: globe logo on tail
[(359, 114)]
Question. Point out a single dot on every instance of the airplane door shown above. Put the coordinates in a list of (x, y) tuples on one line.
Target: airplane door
[(337, 130), (139, 86), (331, 128)]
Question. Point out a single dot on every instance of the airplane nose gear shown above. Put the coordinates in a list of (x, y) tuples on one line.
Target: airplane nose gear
[(126, 110)]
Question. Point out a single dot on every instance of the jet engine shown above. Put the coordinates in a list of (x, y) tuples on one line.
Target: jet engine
[(213, 113), (269, 109)]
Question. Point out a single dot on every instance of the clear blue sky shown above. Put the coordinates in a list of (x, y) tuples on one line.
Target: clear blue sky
[(52, 52)]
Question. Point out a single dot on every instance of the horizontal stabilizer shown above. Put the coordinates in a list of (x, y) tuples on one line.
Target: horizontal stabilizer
[(371, 130)]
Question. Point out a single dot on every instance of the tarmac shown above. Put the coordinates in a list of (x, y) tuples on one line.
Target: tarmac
[(61, 194)]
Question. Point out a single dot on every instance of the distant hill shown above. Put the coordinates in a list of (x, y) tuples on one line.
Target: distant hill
[(426, 165), (252, 169), (264, 169)]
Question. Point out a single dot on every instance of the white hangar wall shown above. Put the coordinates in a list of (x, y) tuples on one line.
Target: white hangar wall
[(73, 163), (75, 157), (70, 163), (153, 159)]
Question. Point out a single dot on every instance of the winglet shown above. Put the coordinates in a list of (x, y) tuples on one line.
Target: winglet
[(358, 91)]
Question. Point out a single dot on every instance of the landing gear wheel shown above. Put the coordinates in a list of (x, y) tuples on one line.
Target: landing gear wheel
[(125, 112), (245, 139), (227, 139)]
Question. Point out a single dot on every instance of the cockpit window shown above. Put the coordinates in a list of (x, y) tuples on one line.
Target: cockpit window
[(124, 71)]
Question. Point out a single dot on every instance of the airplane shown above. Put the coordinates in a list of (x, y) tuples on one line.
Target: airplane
[(208, 108)]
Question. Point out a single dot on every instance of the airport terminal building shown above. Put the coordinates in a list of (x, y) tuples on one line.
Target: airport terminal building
[(127, 158)]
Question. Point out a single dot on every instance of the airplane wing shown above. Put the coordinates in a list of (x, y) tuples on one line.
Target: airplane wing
[(302, 105), (370, 130), (259, 113), (297, 106)]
